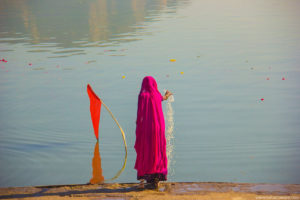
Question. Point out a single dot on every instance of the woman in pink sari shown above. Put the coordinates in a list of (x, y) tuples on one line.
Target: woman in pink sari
[(150, 145)]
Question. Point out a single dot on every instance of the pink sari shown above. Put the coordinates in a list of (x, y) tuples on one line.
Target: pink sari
[(150, 145)]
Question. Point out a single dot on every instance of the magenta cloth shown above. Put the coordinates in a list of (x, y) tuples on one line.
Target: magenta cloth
[(150, 144)]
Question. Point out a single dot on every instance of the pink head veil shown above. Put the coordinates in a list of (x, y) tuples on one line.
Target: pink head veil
[(149, 85)]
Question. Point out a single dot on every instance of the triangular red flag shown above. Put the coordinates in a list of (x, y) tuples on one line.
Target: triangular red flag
[(95, 108)]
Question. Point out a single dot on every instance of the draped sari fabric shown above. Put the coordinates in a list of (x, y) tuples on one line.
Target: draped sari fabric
[(150, 144)]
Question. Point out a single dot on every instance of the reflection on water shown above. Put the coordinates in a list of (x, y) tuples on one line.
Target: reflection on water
[(97, 169), (77, 24)]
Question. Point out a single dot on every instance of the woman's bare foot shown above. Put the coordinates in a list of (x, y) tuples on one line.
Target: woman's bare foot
[(156, 183), (141, 185)]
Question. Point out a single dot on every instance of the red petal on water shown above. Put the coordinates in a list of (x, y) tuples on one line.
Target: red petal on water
[(283, 78), (268, 78), (262, 99), (30, 64)]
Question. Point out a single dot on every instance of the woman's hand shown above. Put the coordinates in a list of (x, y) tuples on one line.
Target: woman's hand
[(167, 94)]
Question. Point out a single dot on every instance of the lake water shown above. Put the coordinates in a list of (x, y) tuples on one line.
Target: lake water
[(235, 118)]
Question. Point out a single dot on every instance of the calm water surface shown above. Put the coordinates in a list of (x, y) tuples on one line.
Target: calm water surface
[(229, 55)]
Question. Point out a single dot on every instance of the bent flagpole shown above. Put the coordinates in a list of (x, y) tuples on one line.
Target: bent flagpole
[(95, 107), (124, 140), (123, 134)]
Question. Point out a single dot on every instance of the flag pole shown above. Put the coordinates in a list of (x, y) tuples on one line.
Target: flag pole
[(124, 140)]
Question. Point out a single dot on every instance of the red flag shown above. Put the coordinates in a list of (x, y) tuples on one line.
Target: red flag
[(95, 108)]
